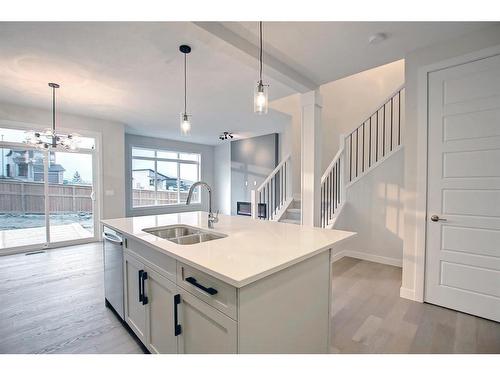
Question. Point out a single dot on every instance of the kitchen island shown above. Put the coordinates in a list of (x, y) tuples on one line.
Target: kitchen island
[(252, 286)]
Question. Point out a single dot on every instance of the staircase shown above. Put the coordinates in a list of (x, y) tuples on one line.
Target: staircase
[(273, 197), (372, 142), (367, 146), (292, 213)]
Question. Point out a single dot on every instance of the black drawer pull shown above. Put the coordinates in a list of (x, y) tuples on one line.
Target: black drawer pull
[(209, 290), (140, 285), (177, 326), (144, 297)]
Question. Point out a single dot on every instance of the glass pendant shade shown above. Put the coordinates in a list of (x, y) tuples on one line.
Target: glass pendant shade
[(185, 124), (260, 98)]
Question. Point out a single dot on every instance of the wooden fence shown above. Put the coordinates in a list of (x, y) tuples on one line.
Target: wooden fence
[(143, 198), (29, 198)]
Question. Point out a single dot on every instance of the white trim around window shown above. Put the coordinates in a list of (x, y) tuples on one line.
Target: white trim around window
[(158, 179)]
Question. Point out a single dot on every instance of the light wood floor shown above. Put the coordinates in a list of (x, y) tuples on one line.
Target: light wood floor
[(370, 317), (53, 303)]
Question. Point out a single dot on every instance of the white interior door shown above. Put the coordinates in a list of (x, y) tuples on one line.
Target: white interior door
[(463, 208)]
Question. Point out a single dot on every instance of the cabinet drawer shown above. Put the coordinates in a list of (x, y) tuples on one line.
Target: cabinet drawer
[(216, 293), (154, 259)]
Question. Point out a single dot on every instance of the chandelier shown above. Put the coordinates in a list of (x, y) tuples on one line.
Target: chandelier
[(49, 138)]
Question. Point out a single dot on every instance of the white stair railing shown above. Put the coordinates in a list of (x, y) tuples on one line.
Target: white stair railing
[(332, 189), (272, 197), (361, 150)]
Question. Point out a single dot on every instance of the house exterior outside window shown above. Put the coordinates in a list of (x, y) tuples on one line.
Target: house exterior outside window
[(161, 177)]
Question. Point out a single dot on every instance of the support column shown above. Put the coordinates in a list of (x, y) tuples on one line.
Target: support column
[(311, 157)]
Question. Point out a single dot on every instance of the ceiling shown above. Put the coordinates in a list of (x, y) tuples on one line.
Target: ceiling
[(132, 72), (326, 51)]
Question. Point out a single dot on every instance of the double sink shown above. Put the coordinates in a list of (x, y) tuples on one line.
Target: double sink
[(183, 234)]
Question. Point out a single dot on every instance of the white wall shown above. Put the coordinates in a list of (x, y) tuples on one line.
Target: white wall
[(349, 101), (111, 148), (207, 171), (222, 177), (375, 211), (414, 216)]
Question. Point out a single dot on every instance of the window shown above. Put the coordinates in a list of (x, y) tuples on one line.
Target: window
[(161, 177), (22, 170), (19, 136)]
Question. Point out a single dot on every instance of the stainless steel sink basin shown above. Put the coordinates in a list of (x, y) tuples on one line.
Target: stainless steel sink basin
[(196, 238), (172, 231), (183, 234)]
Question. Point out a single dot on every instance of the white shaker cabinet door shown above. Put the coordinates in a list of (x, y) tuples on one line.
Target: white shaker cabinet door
[(135, 309), (204, 329), (160, 293)]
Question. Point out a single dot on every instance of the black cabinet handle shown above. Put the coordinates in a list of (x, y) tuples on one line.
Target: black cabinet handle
[(209, 290), (144, 296), (177, 326), (140, 285)]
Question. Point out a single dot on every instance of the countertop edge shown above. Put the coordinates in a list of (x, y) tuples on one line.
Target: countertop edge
[(235, 283)]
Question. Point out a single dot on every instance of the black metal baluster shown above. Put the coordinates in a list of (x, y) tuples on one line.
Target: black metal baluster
[(334, 173), (383, 136), (376, 140), (392, 115), (332, 193), (399, 117), (363, 158), (350, 157), (370, 144), (357, 151), (338, 182)]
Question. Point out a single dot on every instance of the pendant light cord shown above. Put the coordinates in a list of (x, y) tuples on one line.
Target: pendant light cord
[(260, 57), (53, 110), (185, 84)]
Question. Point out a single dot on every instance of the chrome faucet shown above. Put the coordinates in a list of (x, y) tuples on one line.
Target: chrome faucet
[(212, 219)]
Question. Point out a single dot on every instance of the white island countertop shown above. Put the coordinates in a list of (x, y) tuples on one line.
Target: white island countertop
[(253, 249)]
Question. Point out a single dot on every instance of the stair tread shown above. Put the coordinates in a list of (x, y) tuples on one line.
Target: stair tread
[(294, 210), (290, 221)]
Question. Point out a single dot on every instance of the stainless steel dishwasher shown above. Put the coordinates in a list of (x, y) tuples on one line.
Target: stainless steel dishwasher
[(113, 270)]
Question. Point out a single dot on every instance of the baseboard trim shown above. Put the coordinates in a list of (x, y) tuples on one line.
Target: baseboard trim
[(407, 293), (337, 256), (366, 256)]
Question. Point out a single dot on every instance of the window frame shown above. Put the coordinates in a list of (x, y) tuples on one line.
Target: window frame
[(155, 159)]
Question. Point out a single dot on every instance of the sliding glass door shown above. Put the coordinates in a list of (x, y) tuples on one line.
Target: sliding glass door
[(71, 196), (47, 198), (22, 198)]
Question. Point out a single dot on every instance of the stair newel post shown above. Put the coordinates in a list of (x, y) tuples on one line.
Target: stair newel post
[(254, 204)]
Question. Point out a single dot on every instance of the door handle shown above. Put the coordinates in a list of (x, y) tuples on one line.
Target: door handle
[(112, 238), (209, 290), (436, 218), (177, 326), (140, 285), (144, 296)]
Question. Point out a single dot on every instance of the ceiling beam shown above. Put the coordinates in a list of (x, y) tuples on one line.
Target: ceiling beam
[(276, 68)]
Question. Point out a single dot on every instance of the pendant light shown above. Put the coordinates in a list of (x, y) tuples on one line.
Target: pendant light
[(185, 117), (260, 98), (49, 138)]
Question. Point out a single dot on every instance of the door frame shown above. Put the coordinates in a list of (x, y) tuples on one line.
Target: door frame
[(418, 293), (96, 175)]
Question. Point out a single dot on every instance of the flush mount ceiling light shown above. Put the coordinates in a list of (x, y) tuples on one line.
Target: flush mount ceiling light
[(185, 117), (225, 136), (260, 98), (49, 138)]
